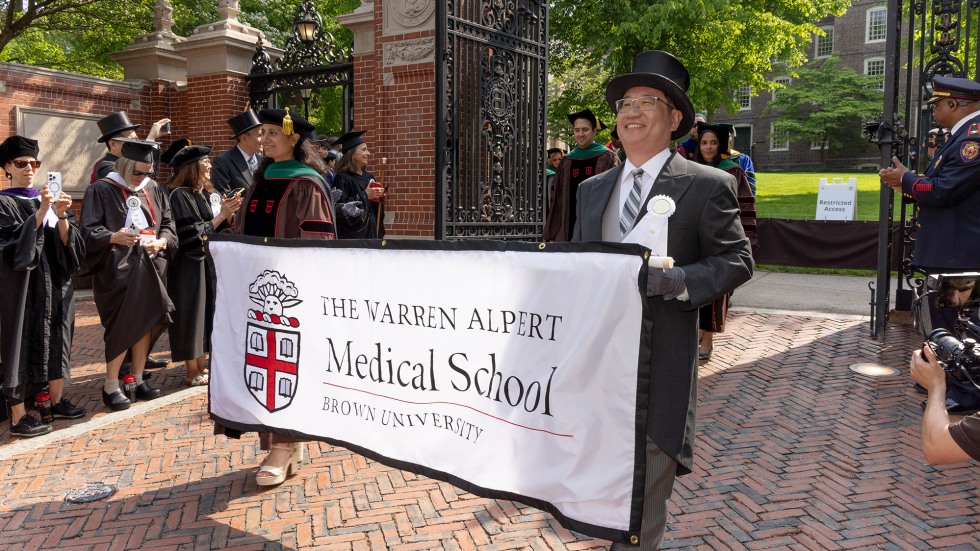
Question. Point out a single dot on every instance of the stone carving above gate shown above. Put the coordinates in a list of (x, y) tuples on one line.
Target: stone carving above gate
[(405, 15), (408, 52)]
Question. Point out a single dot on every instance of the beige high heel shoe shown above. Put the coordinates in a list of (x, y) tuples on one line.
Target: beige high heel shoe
[(269, 475)]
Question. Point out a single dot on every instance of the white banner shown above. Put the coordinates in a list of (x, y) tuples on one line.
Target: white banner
[(511, 372)]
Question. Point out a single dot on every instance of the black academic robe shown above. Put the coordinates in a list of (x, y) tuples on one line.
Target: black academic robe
[(37, 312), (129, 287), (191, 278), (576, 167), (364, 226)]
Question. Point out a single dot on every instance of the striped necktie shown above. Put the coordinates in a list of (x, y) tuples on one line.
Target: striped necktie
[(253, 164), (632, 205)]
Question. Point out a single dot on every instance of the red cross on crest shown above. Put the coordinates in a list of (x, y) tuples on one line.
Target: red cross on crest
[(271, 362)]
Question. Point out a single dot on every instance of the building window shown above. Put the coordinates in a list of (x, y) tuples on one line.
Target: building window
[(824, 45), (817, 144), (778, 138), (780, 80), (875, 67), (743, 97), (877, 27)]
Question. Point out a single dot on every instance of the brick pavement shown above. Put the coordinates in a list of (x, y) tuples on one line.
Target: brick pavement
[(794, 452)]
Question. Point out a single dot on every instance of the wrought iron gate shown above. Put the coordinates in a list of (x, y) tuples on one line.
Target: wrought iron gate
[(491, 84), (311, 61), (933, 38)]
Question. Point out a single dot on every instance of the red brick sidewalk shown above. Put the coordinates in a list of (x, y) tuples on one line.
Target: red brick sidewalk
[(794, 451)]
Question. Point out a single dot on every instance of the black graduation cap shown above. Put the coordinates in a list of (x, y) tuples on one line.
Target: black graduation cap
[(176, 146), (588, 115), (350, 140), (289, 121), (181, 153), (17, 146), (114, 124), (243, 122), (138, 150)]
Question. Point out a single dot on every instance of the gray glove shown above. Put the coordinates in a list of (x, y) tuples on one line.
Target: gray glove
[(335, 194), (352, 209), (669, 283)]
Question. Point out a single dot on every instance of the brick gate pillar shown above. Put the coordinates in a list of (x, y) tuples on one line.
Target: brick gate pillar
[(394, 100)]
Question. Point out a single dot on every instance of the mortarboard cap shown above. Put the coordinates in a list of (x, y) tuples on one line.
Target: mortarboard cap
[(289, 121), (17, 146), (723, 131), (138, 150), (350, 140)]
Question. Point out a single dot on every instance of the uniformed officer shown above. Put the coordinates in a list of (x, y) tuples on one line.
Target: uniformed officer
[(947, 238)]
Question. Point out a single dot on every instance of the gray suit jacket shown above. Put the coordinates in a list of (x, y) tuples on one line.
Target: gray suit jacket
[(229, 171), (705, 238)]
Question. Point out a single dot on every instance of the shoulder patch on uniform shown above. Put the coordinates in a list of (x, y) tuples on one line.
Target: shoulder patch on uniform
[(969, 151), (974, 130)]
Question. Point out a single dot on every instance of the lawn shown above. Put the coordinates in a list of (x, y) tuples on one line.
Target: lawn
[(793, 195)]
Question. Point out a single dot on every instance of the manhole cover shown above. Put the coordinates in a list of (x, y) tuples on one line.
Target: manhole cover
[(93, 491), (874, 370)]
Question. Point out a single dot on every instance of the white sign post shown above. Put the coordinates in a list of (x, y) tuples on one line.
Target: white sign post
[(837, 200)]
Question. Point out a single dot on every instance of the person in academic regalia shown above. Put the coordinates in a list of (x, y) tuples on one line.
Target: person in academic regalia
[(113, 127), (689, 147), (197, 210), (289, 199), (129, 232), (714, 145), (235, 169), (40, 248), (360, 213), (587, 159)]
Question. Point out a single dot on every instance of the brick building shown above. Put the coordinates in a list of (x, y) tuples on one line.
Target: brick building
[(858, 38)]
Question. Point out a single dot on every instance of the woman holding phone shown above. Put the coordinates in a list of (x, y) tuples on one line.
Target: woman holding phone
[(198, 210), (42, 247)]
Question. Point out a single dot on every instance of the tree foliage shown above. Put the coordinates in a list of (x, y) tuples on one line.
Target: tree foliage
[(723, 44), (826, 104), (79, 35)]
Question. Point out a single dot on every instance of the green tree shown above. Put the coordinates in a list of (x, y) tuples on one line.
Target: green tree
[(827, 104), (723, 44), (79, 35)]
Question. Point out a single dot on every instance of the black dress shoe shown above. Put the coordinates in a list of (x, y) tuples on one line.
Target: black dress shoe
[(153, 363), (147, 392), (67, 410), (117, 401)]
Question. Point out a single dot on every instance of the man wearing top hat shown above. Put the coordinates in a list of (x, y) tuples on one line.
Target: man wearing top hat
[(234, 169), (587, 159), (704, 236), (113, 127)]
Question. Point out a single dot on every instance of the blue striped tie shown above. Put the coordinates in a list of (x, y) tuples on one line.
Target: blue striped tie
[(632, 205)]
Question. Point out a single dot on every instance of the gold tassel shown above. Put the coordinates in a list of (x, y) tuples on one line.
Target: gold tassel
[(287, 124), (188, 142)]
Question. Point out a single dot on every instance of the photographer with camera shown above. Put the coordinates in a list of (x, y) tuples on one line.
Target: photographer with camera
[(942, 441)]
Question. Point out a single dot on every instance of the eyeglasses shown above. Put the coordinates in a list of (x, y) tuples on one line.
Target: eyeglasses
[(643, 103), (23, 164), (141, 173)]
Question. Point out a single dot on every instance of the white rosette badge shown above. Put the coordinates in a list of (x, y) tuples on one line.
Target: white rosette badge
[(651, 230)]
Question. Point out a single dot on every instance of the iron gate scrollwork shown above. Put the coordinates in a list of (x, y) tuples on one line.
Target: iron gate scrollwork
[(491, 85), (932, 38), (311, 60)]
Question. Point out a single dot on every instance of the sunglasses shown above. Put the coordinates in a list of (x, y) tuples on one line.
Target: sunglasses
[(23, 164), (141, 173)]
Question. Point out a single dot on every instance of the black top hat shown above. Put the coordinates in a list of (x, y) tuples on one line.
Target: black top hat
[(289, 121), (724, 133), (243, 122), (114, 124), (662, 71), (138, 150), (17, 146), (350, 140), (588, 115)]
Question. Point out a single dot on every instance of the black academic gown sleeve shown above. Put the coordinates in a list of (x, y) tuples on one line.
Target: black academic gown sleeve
[(365, 225)]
